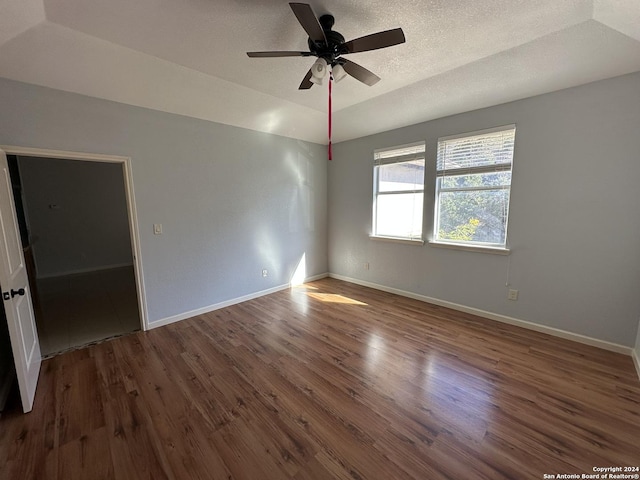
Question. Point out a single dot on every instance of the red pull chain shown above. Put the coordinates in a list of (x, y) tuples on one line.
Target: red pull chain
[(330, 82)]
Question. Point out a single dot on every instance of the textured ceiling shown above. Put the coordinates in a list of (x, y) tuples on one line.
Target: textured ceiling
[(188, 56)]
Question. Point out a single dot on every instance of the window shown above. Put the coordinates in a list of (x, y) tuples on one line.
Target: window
[(398, 192), (473, 183)]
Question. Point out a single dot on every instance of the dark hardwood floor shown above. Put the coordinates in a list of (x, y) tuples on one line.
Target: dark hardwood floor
[(327, 381)]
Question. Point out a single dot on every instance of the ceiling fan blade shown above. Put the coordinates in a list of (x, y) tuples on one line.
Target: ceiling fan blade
[(360, 73), (306, 82), (278, 54), (374, 41), (309, 21)]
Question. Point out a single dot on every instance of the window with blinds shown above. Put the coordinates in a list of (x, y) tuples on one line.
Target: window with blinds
[(398, 192), (473, 185)]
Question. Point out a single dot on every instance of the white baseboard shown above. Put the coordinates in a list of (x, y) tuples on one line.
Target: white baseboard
[(227, 303), (556, 332), (316, 277), (636, 361), (84, 270)]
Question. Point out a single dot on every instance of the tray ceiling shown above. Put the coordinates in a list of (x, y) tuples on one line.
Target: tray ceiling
[(188, 56)]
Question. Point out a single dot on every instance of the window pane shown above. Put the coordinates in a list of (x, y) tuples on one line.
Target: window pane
[(399, 215), (403, 176), (493, 179), (473, 216)]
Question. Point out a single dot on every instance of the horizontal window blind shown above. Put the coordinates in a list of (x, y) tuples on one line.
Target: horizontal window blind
[(399, 154), (484, 152)]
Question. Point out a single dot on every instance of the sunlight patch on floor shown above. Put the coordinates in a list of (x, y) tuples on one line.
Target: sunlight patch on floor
[(302, 288), (334, 298)]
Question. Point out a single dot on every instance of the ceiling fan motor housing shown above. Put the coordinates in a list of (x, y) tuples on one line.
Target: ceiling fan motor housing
[(326, 22), (334, 40)]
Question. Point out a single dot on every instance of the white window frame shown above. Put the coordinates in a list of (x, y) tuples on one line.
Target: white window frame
[(470, 170), (387, 156)]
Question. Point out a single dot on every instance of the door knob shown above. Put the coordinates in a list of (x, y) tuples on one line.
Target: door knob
[(20, 292)]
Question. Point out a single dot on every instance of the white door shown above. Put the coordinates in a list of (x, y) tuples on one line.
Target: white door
[(16, 295)]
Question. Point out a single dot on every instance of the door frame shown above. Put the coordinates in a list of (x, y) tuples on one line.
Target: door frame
[(131, 206)]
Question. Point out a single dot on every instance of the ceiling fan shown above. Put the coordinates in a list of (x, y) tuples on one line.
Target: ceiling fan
[(329, 46)]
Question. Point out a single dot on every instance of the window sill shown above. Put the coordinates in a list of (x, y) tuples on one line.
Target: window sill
[(471, 248), (408, 241)]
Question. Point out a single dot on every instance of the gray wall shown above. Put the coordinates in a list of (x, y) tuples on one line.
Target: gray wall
[(574, 225), (77, 215), (637, 349), (231, 201)]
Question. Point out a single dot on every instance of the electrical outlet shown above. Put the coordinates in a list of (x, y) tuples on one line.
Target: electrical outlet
[(513, 294), (366, 265), (265, 273)]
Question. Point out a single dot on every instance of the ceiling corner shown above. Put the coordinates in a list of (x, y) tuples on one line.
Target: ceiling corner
[(18, 16), (621, 15)]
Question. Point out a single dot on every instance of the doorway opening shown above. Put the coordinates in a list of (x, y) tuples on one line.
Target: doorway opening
[(77, 224)]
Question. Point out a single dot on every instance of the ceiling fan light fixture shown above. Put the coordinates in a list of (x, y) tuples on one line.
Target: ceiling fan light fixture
[(318, 71), (338, 72)]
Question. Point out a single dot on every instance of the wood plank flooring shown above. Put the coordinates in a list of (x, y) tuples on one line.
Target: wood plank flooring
[(327, 381)]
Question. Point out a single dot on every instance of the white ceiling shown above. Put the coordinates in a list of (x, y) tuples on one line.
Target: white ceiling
[(188, 56)]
